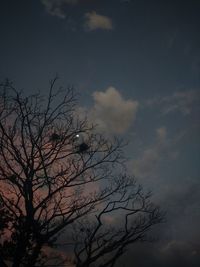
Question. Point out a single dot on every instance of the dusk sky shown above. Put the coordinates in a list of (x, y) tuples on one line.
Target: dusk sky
[(136, 67)]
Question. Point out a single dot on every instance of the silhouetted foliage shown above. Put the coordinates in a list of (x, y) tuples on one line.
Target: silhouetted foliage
[(49, 185)]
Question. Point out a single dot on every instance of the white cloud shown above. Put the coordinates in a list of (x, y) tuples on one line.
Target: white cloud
[(55, 7), (111, 113), (95, 21)]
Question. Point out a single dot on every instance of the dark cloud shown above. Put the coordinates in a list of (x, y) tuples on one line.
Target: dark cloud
[(181, 101), (146, 164), (173, 254)]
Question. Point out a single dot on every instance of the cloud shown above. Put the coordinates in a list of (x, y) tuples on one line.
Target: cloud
[(147, 163), (182, 101), (95, 21), (111, 112), (55, 7), (174, 253), (179, 253), (181, 199)]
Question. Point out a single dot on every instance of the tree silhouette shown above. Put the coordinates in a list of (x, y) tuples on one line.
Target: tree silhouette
[(50, 183)]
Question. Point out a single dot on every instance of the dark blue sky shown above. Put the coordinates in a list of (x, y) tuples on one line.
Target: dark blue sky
[(152, 45), (136, 65)]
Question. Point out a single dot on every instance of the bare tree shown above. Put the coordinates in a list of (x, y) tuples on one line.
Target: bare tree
[(52, 180)]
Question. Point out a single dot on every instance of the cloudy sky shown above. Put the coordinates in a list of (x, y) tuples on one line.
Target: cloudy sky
[(136, 66)]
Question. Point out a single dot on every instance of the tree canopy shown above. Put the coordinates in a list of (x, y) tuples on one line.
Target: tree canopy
[(53, 183)]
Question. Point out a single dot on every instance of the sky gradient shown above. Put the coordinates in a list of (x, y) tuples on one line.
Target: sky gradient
[(136, 66)]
